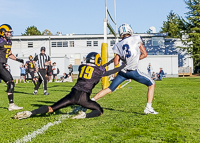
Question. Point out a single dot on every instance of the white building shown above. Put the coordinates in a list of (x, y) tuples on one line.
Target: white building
[(71, 48)]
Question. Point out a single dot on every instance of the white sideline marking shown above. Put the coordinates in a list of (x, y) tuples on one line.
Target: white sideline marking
[(125, 84), (32, 135)]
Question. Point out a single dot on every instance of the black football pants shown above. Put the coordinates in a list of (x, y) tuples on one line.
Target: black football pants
[(81, 98), (5, 74), (42, 79)]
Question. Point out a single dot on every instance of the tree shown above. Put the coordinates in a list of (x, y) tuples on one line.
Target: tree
[(173, 26), (32, 30), (46, 32), (193, 29)]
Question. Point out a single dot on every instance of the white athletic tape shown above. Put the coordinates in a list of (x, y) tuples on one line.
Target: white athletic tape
[(30, 136)]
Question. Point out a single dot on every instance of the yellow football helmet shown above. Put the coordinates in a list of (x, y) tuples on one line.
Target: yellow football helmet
[(5, 28), (30, 57)]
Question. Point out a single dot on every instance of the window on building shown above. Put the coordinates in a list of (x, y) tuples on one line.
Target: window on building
[(71, 43), (112, 42), (89, 43), (95, 43), (157, 41), (59, 44), (65, 44), (53, 44), (30, 44)]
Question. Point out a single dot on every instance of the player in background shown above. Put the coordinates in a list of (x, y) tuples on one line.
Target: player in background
[(5, 53), (31, 68), (89, 75), (131, 49)]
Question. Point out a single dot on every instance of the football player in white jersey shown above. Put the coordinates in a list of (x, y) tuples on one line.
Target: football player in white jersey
[(130, 49)]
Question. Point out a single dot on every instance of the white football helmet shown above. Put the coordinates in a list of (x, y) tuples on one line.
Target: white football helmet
[(125, 29)]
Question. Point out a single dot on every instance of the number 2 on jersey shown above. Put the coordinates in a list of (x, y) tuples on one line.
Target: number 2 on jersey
[(126, 48), (86, 73)]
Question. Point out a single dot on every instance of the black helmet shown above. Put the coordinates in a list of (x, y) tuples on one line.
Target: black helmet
[(43, 48), (93, 58)]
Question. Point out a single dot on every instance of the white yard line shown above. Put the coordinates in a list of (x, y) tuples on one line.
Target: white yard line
[(125, 84), (33, 134)]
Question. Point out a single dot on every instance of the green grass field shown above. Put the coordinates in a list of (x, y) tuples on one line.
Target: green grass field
[(176, 100)]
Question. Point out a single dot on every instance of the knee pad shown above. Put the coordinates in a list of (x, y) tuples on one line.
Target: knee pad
[(10, 87)]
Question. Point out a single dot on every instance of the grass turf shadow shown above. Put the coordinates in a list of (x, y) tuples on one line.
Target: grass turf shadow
[(21, 92), (111, 109)]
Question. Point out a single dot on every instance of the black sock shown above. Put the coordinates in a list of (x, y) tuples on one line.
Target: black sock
[(10, 98), (94, 113), (41, 110)]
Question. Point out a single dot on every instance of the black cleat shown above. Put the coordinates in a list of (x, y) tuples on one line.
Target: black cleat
[(46, 93)]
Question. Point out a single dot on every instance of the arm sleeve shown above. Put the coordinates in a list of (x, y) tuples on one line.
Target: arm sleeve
[(114, 70), (140, 39), (108, 63), (49, 58), (36, 58), (116, 50)]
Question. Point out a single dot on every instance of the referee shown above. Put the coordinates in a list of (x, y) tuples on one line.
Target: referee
[(42, 61)]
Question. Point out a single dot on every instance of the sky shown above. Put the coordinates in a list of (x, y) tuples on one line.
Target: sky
[(86, 16)]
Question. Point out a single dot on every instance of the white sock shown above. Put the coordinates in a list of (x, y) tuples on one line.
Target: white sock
[(93, 99), (45, 91), (149, 105), (35, 91)]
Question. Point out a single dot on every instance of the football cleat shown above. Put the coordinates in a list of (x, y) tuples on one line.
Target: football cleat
[(81, 115), (12, 106), (22, 115), (34, 93), (150, 110), (77, 110), (46, 93)]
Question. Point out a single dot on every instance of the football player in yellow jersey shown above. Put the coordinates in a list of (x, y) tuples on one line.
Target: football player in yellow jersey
[(5, 53), (89, 76), (30, 68)]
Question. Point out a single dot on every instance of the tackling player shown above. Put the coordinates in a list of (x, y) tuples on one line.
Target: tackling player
[(89, 75), (5, 53), (131, 49), (31, 68)]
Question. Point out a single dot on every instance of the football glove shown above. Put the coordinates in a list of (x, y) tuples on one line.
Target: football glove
[(20, 60)]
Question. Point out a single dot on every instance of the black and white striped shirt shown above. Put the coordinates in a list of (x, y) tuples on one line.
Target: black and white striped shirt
[(41, 60)]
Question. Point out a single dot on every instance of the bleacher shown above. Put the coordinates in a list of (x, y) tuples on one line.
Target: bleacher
[(185, 71)]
